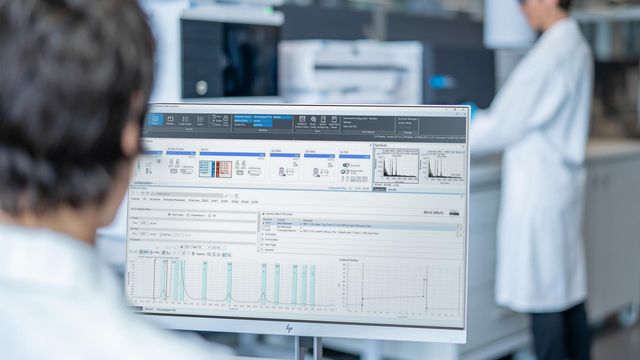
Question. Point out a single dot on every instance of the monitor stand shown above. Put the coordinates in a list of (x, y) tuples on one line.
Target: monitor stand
[(302, 343)]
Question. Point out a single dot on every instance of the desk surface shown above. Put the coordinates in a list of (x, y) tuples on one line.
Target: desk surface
[(484, 170)]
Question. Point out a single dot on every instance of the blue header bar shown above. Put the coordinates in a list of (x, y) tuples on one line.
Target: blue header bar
[(265, 121), (174, 152), (321, 156), (222, 153), (243, 118), (283, 117), (353, 156), (285, 155), (152, 152), (155, 119)]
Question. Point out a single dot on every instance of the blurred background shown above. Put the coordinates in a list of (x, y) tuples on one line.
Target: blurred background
[(424, 52)]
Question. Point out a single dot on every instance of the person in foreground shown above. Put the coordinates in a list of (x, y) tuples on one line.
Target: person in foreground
[(540, 120), (75, 76)]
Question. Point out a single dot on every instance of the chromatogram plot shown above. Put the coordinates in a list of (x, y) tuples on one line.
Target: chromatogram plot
[(179, 281), (397, 165), (445, 165)]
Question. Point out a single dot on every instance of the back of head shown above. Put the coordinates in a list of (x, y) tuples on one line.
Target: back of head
[(68, 72), (565, 4)]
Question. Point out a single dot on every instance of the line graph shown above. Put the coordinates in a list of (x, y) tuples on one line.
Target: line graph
[(402, 289), (179, 281), (400, 165), (445, 165), (397, 166)]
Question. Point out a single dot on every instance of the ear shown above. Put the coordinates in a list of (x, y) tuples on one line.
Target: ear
[(130, 138)]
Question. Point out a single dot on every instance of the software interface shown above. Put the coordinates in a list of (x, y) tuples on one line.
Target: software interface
[(350, 216)]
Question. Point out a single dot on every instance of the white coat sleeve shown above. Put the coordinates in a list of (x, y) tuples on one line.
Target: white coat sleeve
[(526, 102)]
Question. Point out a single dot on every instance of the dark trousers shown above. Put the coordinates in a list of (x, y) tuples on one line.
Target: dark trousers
[(562, 335)]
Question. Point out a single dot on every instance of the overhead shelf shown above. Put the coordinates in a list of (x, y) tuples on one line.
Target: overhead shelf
[(621, 13)]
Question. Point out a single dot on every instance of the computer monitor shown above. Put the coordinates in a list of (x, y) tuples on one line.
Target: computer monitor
[(229, 52), (308, 220)]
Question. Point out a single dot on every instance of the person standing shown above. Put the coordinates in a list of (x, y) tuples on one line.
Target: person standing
[(540, 121)]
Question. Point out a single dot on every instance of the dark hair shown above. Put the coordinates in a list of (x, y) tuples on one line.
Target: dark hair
[(68, 69), (564, 4)]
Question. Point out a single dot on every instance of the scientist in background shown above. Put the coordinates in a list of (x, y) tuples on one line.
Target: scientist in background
[(75, 78), (540, 120)]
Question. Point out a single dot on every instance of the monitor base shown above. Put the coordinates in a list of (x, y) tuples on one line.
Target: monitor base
[(303, 343)]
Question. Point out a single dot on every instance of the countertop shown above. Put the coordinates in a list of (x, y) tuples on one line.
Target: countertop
[(487, 170), (600, 149)]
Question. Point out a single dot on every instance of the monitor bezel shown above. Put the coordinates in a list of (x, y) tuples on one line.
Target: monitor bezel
[(208, 323)]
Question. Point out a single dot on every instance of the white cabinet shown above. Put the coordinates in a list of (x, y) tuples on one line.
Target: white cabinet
[(492, 330), (483, 215), (612, 228)]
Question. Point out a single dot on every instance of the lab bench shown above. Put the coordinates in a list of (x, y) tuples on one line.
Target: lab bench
[(612, 235)]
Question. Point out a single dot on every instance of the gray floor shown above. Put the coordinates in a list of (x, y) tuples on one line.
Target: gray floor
[(619, 344)]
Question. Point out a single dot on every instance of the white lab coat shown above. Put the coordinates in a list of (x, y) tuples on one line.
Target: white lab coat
[(58, 301), (540, 119)]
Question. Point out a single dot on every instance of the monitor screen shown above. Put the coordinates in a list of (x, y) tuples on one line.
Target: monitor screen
[(228, 59), (342, 221)]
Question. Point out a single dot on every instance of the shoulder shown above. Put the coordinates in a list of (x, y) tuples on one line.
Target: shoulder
[(77, 330), (561, 47), (570, 45), (83, 320), (562, 54)]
